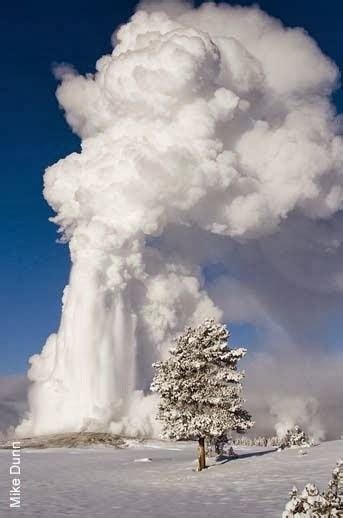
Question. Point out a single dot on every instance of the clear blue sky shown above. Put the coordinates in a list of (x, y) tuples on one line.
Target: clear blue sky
[(34, 34)]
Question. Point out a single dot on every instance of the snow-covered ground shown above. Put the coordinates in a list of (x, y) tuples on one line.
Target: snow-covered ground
[(106, 482)]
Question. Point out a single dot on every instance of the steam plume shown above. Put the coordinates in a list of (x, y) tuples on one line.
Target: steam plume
[(208, 137)]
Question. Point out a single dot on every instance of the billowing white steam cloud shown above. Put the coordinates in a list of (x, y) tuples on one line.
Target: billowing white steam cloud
[(207, 137)]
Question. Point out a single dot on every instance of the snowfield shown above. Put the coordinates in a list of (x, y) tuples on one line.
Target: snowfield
[(157, 480)]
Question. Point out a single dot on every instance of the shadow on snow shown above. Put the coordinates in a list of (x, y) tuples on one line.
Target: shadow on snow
[(223, 459)]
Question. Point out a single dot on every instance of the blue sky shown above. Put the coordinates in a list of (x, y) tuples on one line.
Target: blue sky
[(34, 134)]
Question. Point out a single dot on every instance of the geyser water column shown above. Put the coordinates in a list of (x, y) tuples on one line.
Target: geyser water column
[(189, 123), (85, 376)]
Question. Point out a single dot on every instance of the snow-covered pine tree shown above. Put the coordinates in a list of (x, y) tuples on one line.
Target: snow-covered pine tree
[(310, 503), (200, 387), (295, 437)]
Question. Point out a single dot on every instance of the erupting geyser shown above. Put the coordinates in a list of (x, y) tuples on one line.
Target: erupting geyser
[(204, 134)]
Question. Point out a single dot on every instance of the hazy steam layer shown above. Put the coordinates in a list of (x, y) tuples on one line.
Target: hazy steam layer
[(207, 137)]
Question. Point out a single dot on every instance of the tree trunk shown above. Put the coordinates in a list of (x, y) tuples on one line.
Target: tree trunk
[(201, 454)]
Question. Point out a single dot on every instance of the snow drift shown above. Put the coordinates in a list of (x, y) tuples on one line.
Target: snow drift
[(208, 137)]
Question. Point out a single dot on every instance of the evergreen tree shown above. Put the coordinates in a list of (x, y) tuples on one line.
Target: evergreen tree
[(200, 387), (295, 437), (313, 504)]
